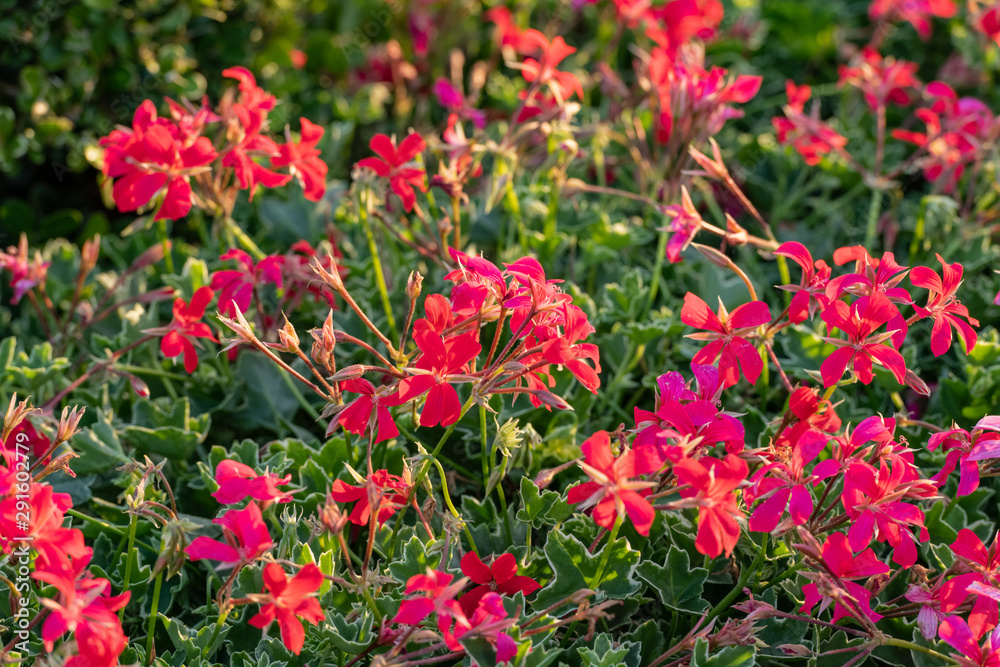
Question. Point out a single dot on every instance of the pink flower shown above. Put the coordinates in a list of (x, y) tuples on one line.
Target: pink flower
[(442, 361), (24, 273), (957, 634), (611, 492), (684, 223), (782, 484), (303, 160), (543, 72), (237, 481), (979, 576), (882, 80), (236, 287), (810, 136), (842, 566), (393, 163), (917, 12), (810, 294), (286, 600), (726, 335), (965, 450), (246, 539), (436, 596)]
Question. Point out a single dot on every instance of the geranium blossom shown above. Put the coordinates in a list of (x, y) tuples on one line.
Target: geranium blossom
[(979, 576), (810, 136), (863, 346), (435, 594), (713, 483), (286, 600), (957, 634), (367, 412), (965, 450), (842, 567), (237, 481), (236, 286), (395, 164), (727, 337), (246, 539), (390, 493), (500, 576), (611, 492), (186, 325), (917, 12), (810, 294), (303, 160), (944, 307)]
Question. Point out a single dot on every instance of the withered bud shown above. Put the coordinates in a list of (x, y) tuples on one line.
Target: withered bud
[(735, 233), (68, 423), (88, 254), (713, 168), (333, 518), (58, 464), (172, 545), (331, 278), (325, 340), (240, 326), (550, 399), (16, 412), (288, 337), (413, 285), (352, 372), (156, 295), (572, 187)]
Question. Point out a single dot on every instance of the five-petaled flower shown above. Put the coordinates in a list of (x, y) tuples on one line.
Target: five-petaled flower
[(396, 165), (944, 307), (863, 346), (286, 600), (712, 484), (833, 582), (501, 576), (186, 325), (303, 160), (387, 490), (727, 335), (246, 535), (237, 481)]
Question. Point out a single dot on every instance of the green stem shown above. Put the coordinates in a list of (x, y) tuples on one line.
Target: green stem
[(451, 506), (485, 452), (133, 524), (606, 554), (874, 208), (107, 526), (161, 232), (245, 240), (902, 643), (154, 612), (738, 588), (377, 268), (306, 405), (215, 633), (508, 530), (661, 251)]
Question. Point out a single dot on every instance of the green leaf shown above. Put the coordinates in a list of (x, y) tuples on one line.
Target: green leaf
[(98, 446), (678, 584), (415, 560), (166, 428), (603, 655), (192, 642), (541, 509), (31, 371), (575, 568), (731, 656)]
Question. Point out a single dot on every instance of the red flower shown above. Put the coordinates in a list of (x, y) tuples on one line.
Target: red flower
[(842, 566), (151, 160), (357, 416), (980, 575), (246, 538), (544, 72), (611, 492), (881, 80), (437, 597), (288, 599), (390, 493), (943, 307), (966, 450), (713, 483), (956, 633), (726, 333), (810, 294), (394, 165), (916, 12), (185, 326), (237, 481), (500, 577), (303, 159), (26, 435), (236, 287), (441, 360), (862, 346), (810, 136), (785, 484)]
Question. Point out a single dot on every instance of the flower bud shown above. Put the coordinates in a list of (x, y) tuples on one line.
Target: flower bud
[(16, 412), (58, 464), (151, 256), (413, 285), (333, 518), (550, 399), (68, 423), (351, 372), (289, 339), (88, 254)]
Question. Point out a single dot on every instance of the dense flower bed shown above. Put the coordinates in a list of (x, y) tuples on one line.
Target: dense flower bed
[(584, 351)]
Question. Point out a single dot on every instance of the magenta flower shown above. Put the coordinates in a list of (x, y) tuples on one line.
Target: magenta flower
[(810, 294), (965, 450), (367, 411), (286, 600), (237, 481), (726, 335), (436, 596), (236, 286), (957, 634), (501, 577), (779, 485), (863, 346), (395, 164), (246, 539), (943, 307), (981, 577), (842, 567)]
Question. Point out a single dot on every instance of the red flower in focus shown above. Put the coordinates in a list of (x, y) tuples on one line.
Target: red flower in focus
[(287, 600), (979, 576), (47, 510), (917, 12), (246, 535), (727, 335), (873, 499), (357, 416), (713, 485), (237, 481), (965, 450), (841, 567), (437, 597), (810, 136), (303, 160), (178, 335), (393, 162), (441, 360), (152, 160), (882, 80), (781, 484), (863, 346), (236, 287), (807, 411), (957, 634), (388, 491), (611, 492), (500, 577), (944, 307), (810, 294)]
